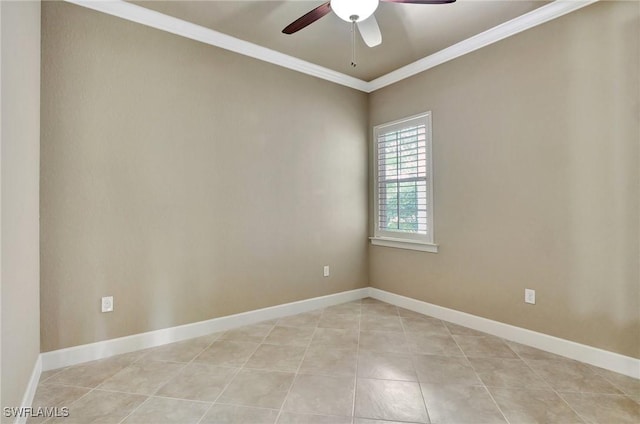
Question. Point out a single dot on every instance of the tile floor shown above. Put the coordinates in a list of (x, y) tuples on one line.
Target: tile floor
[(364, 362)]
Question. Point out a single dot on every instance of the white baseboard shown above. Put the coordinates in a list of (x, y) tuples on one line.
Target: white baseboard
[(89, 352), (583, 353), (27, 399)]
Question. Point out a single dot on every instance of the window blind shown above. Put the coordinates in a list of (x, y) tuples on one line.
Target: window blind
[(402, 183)]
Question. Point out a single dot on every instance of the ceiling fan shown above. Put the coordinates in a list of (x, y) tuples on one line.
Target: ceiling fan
[(358, 12)]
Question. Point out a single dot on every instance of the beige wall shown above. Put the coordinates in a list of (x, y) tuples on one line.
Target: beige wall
[(187, 181), (536, 147), (20, 123), (191, 183)]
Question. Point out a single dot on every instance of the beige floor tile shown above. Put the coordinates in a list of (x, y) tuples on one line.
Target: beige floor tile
[(227, 353), (168, 411), (380, 323), (235, 414), (604, 409), (380, 309), (249, 334), (101, 407), (334, 337), (628, 385), (571, 376), (262, 389), (324, 360), (44, 375), (459, 330), (349, 315), (321, 395), (434, 344), (456, 404), (53, 396), (91, 374), (484, 347), (198, 381), (379, 306), (393, 349), (383, 341), (292, 418), (357, 420), (344, 308), (292, 336), (527, 406), (341, 321), (308, 319), (425, 326), (371, 300), (183, 351), (528, 352), (406, 313), (144, 377), (435, 369), (390, 400), (500, 372), (386, 366), (276, 358)]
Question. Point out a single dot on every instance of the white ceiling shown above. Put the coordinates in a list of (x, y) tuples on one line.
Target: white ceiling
[(409, 32)]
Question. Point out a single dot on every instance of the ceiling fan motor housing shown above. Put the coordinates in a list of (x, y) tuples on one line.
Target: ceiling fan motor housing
[(354, 10)]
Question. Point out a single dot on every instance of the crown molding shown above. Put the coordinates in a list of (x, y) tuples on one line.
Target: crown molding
[(521, 23), (157, 20)]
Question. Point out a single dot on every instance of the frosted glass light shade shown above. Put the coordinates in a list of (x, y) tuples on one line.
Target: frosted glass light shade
[(345, 9)]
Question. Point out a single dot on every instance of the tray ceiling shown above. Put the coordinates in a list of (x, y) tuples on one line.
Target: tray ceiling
[(409, 32)]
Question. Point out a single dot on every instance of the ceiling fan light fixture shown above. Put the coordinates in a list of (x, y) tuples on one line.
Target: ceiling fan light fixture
[(354, 10)]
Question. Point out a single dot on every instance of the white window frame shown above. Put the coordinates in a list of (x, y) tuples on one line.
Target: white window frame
[(399, 239)]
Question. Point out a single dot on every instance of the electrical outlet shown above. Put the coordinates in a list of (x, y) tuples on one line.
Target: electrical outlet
[(326, 271), (107, 304), (530, 296)]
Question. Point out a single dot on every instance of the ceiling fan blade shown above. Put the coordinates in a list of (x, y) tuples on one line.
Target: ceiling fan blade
[(420, 1), (308, 18), (370, 31)]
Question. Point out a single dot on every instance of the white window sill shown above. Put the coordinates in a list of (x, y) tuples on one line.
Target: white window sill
[(404, 244)]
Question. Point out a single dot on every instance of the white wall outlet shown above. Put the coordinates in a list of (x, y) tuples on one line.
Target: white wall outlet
[(530, 296), (326, 271), (107, 304)]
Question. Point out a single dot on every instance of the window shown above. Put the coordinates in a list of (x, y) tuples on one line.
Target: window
[(403, 178)]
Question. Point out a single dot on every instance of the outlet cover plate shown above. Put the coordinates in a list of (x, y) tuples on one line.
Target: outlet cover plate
[(107, 304), (326, 271), (530, 296)]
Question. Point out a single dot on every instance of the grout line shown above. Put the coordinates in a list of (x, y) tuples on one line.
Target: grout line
[(553, 389), (58, 371), (484, 386), (91, 389), (240, 368), (295, 376), (355, 378), (610, 381), (134, 410), (205, 413), (66, 385), (412, 355), (174, 376)]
